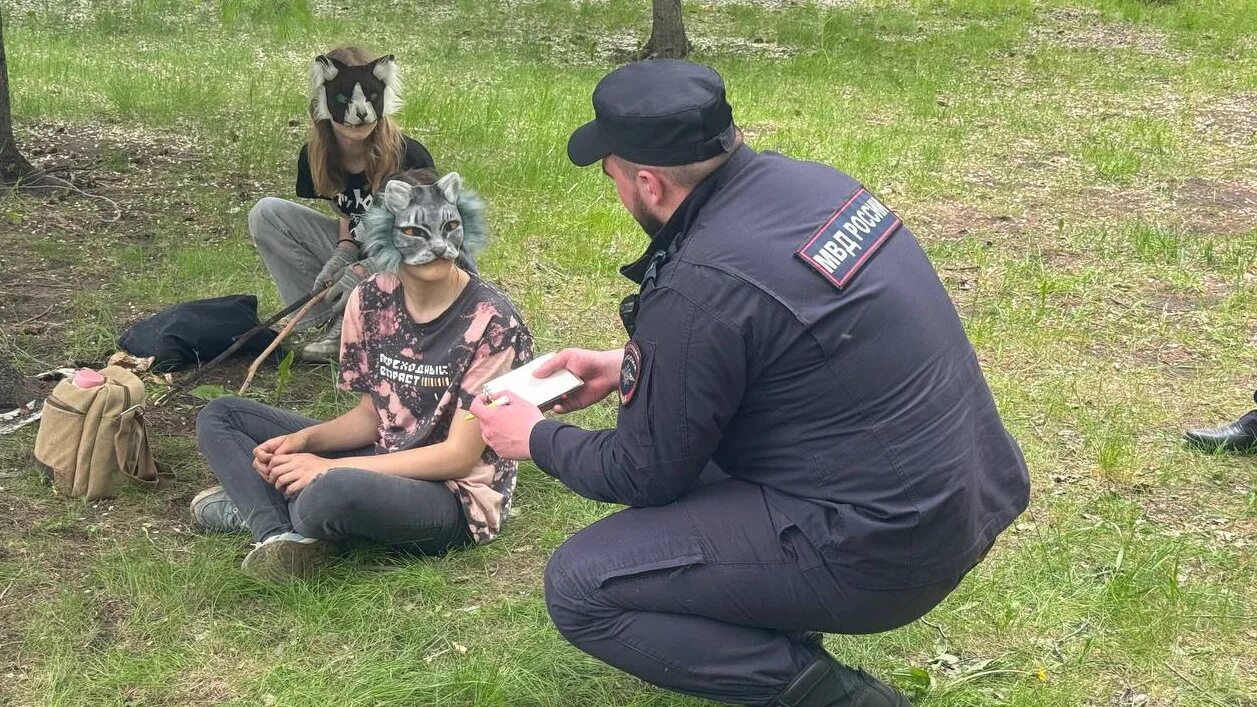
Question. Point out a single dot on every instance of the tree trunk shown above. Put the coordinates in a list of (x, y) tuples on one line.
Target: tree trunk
[(667, 33), (13, 166)]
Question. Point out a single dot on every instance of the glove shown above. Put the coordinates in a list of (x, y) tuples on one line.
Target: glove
[(342, 256), (349, 278)]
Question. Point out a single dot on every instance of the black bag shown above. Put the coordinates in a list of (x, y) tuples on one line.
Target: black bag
[(193, 333)]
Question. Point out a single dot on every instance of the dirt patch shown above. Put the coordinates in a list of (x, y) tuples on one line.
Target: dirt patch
[(206, 686), (1172, 304), (754, 131), (1085, 29), (175, 418), (1134, 697), (57, 245), (737, 46), (31, 296), (1201, 206), (16, 389), (954, 221), (1173, 358), (14, 600), (1232, 121), (621, 46), (49, 245), (1218, 208), (1192, 511), (110, 613), (176, 508), (1110, 204)]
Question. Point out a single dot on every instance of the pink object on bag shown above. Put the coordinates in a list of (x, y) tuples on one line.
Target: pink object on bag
[(87, 378)]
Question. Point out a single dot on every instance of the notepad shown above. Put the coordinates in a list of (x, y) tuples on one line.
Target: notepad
[(538, 391)]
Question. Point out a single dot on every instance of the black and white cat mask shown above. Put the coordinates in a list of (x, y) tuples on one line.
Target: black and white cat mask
[(354, 95), (414, 225)]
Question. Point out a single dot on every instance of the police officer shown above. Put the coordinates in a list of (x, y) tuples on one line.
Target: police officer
[(805, 439)]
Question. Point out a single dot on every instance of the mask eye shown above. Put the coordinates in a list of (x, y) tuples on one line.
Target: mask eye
[(342, 98), (451, 225)]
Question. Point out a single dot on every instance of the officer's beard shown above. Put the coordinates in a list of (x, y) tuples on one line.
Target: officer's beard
[(650, 223)]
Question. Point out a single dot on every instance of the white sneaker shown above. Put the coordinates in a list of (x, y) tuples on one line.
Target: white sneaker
[(213, 511), (325, 349), (286, 556)]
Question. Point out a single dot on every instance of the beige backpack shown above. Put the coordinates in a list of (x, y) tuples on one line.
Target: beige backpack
[(91, 437)]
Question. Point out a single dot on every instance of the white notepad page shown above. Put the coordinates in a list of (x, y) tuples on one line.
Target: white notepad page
[(537, 391)]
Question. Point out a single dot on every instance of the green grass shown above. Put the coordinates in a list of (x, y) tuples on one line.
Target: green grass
[(1066, 165)]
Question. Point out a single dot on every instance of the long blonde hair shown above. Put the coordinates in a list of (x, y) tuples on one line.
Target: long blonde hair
[(384, 146)]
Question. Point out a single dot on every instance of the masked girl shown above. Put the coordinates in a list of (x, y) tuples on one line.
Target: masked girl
[(352, 147), (405, 467)]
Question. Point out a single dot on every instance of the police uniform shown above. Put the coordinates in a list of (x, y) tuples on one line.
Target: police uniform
[(790, 331)]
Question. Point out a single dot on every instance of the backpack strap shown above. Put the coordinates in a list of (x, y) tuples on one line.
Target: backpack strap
[(135, 459)]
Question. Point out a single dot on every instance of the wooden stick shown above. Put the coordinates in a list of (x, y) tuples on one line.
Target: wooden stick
[(279, 338), (198, 374)]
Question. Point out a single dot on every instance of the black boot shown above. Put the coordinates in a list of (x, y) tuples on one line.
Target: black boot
[(828, 683), (1239, 436)]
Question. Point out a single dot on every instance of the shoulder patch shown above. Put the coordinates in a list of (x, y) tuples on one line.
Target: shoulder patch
[(849, 238), (630, 372)]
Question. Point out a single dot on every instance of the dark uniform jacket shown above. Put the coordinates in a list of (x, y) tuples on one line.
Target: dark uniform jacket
[(793, 331)]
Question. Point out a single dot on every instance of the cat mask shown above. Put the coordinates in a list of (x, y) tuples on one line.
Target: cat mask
[(354, 95), (416, 224)]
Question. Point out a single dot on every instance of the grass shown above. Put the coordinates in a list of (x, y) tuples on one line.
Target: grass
[(1080, 173)]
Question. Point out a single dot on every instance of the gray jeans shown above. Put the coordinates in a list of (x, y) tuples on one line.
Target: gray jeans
[(343, 504), (295, 242)]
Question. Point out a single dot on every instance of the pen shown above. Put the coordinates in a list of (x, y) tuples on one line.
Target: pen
[(492, 403)]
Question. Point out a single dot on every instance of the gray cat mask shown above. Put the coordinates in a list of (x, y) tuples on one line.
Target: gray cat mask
[(416, 224)]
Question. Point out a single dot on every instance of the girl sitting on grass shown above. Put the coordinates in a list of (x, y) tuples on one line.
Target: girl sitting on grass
[(405, 467), (353, 146)]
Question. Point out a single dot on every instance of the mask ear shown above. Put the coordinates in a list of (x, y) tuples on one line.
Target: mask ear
[(384, 67), (386, 70), (396, 195), (321, 71), (451, 185)]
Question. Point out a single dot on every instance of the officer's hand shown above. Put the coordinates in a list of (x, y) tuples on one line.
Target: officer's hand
[(506, 424), (600, 370)]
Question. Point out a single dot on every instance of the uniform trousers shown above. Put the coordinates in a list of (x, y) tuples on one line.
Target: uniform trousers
[(711, 595)]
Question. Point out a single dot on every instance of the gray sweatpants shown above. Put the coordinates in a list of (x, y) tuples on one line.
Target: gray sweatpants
[(295, 242), (343, 504)]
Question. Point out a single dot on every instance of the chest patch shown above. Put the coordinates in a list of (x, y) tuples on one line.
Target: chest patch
[(630, 372), (849, 238)]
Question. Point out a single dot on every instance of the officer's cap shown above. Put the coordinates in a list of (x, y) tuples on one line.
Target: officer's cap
[(657, 112)]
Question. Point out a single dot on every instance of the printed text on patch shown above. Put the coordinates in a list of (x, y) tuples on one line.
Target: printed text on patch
[(849, 238)]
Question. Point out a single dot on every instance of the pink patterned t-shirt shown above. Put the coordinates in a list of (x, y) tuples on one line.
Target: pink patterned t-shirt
[(420, 375)]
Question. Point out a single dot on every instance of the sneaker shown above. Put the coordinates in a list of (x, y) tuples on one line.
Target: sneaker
[(325, 349), (214, 512), (286, 556)]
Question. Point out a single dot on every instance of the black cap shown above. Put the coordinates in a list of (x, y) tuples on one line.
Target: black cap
[(659, 112)]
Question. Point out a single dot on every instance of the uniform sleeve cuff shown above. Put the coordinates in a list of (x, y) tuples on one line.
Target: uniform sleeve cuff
[(541, 443)]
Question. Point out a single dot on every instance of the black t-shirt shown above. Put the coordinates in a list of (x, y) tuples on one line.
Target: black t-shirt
[(356, 197)]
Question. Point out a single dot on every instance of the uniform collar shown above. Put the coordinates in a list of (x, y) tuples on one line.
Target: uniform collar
[(687, 213)]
